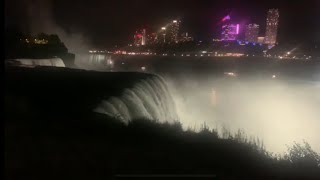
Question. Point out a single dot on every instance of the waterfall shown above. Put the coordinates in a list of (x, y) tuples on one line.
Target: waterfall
[(56, 62), (94, 61), (148, 99)]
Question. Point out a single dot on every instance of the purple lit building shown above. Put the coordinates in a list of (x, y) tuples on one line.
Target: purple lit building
[(230, 32)]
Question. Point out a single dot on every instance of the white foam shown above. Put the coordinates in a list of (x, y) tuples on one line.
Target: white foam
[(148, 99), (55, 62)]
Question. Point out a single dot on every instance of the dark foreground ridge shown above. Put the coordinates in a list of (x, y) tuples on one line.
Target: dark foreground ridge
[(52, 133)]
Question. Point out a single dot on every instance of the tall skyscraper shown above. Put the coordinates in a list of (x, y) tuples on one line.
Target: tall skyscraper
[(173, 30), (252, 32), (144, 37), (140, 37), (163, 35), (230, 32), (272, 26)]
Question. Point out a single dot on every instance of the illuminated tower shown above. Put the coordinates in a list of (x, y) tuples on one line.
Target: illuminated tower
[(140, 37), (152, 38), (162, 35), (229, 31), (252, 32), (174, 28), (144, 37), (272, 26)]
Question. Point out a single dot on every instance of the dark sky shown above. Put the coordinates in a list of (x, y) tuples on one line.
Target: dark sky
[(109, 22)]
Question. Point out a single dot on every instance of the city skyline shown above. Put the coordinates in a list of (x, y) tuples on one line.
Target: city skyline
[(230, 31), (105, 24)]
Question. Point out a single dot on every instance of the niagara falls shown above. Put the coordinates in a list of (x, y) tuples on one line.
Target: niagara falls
[(177, 89)]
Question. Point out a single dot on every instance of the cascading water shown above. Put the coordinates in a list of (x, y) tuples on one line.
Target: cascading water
[(56, 62), (94, 61), (147, 99), (266, 109)]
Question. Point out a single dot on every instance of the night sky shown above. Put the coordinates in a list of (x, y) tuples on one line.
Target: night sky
[(103, 23)]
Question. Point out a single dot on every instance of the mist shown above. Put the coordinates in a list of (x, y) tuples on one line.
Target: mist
[(277, 109), (40, 19), (277, 112)]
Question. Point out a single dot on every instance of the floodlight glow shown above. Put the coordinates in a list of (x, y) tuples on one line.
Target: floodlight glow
[(238, 28), (226, 18)]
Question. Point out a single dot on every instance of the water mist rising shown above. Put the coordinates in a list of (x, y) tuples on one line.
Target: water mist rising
[(277, 112), (40, 19), (148, 99), (55, 62)]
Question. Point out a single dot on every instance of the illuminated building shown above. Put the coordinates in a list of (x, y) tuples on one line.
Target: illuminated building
[(251, 34), (40, 41), (272, 26), (260, 40), (162, 35), (140, 37), (152, 38), (185, 37), (143, 39), (173, 29), (230, 32)]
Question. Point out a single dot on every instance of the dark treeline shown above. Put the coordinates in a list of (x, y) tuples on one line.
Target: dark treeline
[(39, 46)]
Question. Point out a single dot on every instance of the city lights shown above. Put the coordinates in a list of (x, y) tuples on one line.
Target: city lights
[(272, 27), (226, 18), (230, 32), (252, 32), (140, 37), (238, 28), (231, 74), (234, 41)]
